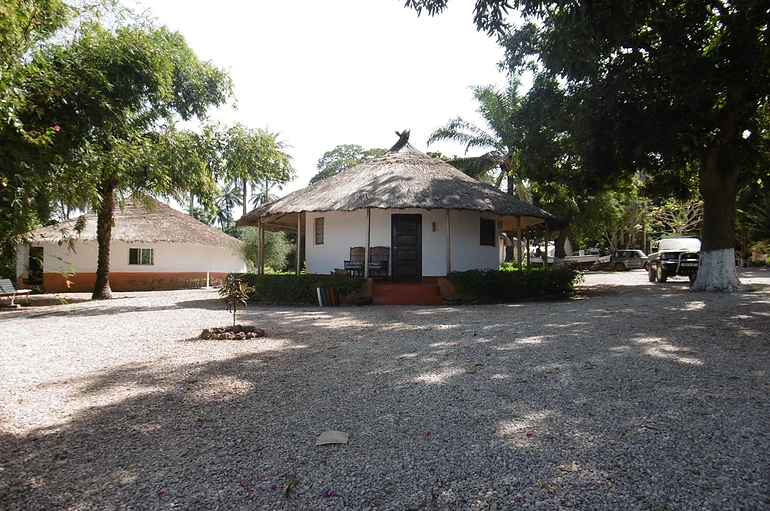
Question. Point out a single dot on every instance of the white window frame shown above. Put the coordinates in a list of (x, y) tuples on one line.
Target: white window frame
[(140, 253), (319, 228)]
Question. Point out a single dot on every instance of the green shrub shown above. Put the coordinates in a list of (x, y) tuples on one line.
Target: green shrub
[(513, 285), (277, 248), (298, 288)]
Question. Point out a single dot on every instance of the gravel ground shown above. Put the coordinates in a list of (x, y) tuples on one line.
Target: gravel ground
[(633, 396)]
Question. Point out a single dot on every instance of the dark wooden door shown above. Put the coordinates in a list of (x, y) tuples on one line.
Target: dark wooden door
[(406, 243), (35, 265)]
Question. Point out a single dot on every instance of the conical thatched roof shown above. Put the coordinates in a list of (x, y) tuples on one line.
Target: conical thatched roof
[(145, 221), (404, 177)]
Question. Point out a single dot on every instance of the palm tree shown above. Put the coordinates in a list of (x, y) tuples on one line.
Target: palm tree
[(255, 155), (202, 214), (228, 198), (500, 139), (261, 192)]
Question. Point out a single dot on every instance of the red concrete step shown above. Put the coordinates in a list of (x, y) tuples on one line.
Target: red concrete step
[(406, 294)]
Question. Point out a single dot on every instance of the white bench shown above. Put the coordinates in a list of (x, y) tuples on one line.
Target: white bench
[(7, 289)]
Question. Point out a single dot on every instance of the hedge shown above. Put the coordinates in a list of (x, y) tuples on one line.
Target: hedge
[(299, 289), (513, 286)]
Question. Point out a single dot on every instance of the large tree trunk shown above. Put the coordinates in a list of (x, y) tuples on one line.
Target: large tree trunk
[(105, 218), (245, 196), (559, 251), (718, 186)]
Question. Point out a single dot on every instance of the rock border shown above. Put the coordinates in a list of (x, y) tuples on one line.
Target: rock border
[(232, 332)]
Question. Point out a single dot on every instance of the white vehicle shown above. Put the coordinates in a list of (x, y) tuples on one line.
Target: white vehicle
[(585, 258)]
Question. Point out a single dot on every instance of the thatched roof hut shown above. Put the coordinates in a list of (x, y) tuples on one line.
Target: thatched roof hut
[(152, 246), (451, 221), (145, 221), (402, 178)]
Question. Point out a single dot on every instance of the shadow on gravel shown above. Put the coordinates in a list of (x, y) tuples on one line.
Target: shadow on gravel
[(658, 403), (756, 281)]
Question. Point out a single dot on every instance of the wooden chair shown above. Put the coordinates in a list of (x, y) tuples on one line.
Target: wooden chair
[(378, 261), (7, 289), (355, 265)]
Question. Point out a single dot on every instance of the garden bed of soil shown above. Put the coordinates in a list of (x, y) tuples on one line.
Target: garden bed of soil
[(232, 332)]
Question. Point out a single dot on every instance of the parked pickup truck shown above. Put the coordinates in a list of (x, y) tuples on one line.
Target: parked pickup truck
[(673, 256)]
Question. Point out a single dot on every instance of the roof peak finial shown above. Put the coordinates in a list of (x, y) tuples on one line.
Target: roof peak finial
[(403, 139)]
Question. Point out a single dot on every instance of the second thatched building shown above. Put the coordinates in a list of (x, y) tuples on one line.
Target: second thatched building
[(153, 247)]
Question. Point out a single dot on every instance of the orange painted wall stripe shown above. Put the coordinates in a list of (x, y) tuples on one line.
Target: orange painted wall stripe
[(121, 281)]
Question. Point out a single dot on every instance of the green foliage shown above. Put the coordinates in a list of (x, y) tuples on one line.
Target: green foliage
[(234, 292), (489, 15), (254, 156), (510, 285), (277, 248), (204, 215), (101, 103), (501, 139), (615, 217), (761, 247), (229, 197), (755, 215), (676, 90), (299, 288), (24, 26), (291, 256), (342, 157)]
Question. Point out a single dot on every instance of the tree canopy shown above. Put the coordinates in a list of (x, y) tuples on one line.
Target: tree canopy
[(252, 156), (673, 89), (96, 118), (342, 157), (501, 138)]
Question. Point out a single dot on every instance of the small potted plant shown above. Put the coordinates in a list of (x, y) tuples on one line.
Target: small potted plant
[(234, 292)]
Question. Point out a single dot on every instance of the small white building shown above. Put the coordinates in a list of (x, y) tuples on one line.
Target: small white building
[(153, 247), (432, 218)]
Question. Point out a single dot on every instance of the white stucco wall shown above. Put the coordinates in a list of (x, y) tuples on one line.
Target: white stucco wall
[(343, 230), (167, 258), (467, 253)]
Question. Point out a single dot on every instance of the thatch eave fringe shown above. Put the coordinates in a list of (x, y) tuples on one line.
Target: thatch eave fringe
[(147, 221)]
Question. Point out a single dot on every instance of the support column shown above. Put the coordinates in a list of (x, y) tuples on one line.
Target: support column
[(368, 241), (261, 254), (547, 244), (518, 241), (299, 237), (448, 243), (529, 257)]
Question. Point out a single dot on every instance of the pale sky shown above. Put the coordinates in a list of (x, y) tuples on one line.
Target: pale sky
[(324, 73)]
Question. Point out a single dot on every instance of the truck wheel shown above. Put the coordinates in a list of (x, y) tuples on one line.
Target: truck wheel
[(651, 274), (662, 277), (620, 267)]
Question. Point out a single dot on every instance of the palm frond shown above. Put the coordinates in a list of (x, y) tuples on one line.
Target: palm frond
[(465, 133)]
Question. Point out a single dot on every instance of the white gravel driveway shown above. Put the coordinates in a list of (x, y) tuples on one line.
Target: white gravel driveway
[(634, 396)]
